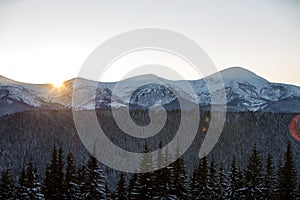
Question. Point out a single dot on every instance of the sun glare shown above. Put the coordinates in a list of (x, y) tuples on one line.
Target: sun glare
[(58, 84)]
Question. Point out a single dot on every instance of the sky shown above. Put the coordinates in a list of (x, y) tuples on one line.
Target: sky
[(48, 41)]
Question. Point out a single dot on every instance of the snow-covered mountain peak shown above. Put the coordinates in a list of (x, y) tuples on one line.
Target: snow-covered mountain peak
[(239, 73), (143, 78), (245, 91)]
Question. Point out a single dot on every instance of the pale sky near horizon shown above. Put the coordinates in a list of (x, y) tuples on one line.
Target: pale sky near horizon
[(48, 41)]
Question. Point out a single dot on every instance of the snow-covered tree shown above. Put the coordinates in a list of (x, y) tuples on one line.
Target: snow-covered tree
[(7, 190), (270, 180), (70, 182), (254, 176), (144, 184), (213, 186), (222, 183), (199, 181), (53, 184), (180, 178), (287, 176), (132, 189), (94, 187), (121, 188), (235, 182)]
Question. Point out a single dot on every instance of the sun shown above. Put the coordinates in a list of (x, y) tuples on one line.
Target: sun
[(58, 84)]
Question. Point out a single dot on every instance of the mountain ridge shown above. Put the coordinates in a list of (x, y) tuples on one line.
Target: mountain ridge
[(245, 91)]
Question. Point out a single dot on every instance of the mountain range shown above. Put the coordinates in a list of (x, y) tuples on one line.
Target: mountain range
[(245, 91)]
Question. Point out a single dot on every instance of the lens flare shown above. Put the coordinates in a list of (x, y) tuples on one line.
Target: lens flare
[(295, 128)]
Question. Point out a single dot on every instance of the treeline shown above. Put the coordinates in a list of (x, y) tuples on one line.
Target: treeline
[(63, 180)]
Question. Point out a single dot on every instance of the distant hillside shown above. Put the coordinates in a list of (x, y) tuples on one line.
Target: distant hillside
[(31, 135)]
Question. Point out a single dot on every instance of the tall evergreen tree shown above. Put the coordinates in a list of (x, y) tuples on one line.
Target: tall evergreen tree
[(7, 191), (107, 194), (287, 176), (222, 183), (254, 176), (270, 180), (22, 189), (164, 179), (213, 186), (94, 187), (53, 184), (159, 176), (180, 178), (235, 182), (32, 183), (199, 181), (132, 189), (70, 182), (81, 179), (121, 191), (60, 173), (145, 180)]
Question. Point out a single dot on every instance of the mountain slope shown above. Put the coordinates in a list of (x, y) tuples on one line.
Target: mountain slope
[(245, 91)]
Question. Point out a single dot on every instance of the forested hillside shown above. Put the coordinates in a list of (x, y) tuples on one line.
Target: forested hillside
[(31, 136)]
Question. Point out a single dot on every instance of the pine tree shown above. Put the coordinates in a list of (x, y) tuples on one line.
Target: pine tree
[(60, 174), (235, 182), (159, 183), (199, 181), (213, 181), (169, 177), (222, 183), (180, 178), (94, 187), (254, 176), (6, 186), (145, 180), (121, 192), (194, 192), (270, 179), (132, 190), (70, 182), (22, 190), (287, 176), (33, 184), (164, 179), (54, 176), (107, 194), (81, 178)]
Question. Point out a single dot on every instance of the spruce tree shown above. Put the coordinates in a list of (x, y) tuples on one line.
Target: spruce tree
[(145, 180), (270, 180), (235, 182), (70, 182), (94, 187), (287, 176), (169, 177), (107, 195), (164, 179), (194, 192), (199, 181), (81, 179), (132, 190), (254, 176), (121, 191), (180, 178), (222, 183), (22, 190), (7, 191), (53, 184), (158, 175), (33, 184), (60, 173), (213, 187)]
